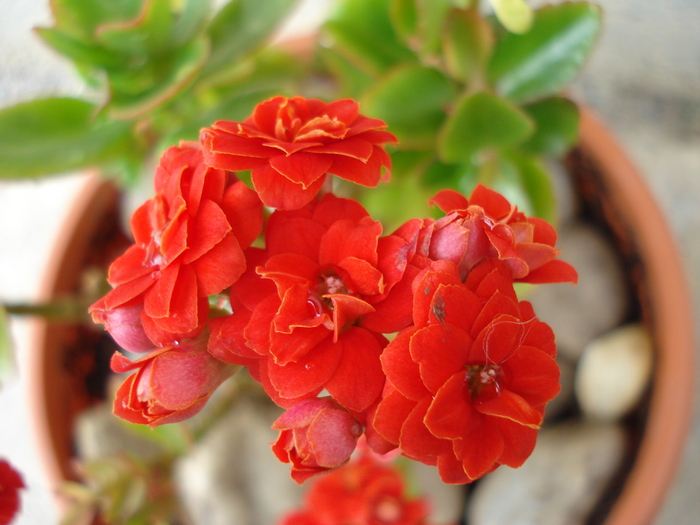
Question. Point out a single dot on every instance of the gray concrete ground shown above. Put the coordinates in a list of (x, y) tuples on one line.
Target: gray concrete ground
[(643, 80)]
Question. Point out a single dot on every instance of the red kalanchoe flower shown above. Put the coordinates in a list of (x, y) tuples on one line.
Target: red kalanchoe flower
[(468, 383), (170, 384), (189, 242), (290, 144), (365, 491), (317, 436), (10, 484), (487, 226), (330, 268)]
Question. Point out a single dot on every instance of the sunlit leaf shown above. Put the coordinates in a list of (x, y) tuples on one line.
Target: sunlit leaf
[(81, 17), (480, 121), (411, 100), (542, 61), (432, 17), (77, 50), (536, 184), (515, 15), (147, 34), (404, 18), (56, 135)]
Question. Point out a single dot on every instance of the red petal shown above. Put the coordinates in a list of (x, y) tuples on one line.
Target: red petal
[(417, 442), (497, 341), (400, 369), (243, 210), (294, 235), (449, 200), (220, 267), (391, 413), (277, 191), (312, 371), (332, 209), (366, 173), (441, 351), (510, 406), (498, 304), (553, 272), (450, 415), (206, 230), (345, 239), (480, 449), (366, 279), (519, 442), (126, 292), (358, 378), (131, 265), (495, 204), (533, 375), (356, 148), (454, 304), (302, 168)]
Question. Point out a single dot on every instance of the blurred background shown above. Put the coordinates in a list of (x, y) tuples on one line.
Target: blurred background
[(643, 81)]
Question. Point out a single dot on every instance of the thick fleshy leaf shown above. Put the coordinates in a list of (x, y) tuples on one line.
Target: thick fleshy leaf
[(542, 61), (147, 34), (362, 31), (482, 121), (412, 101), (82, 18), (55, 135), (79, 51), (240, 27), (467, 42), (537, 185), (432, 18), (185, 65), (556, 126)]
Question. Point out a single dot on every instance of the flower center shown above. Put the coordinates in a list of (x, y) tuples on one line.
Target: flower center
[(327, 282), (482, 381)]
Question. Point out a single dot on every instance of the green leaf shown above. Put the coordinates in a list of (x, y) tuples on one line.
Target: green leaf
[(362, 31), (82, 17), (147, 34), (78, 51), (191, 19), (480, 121), (411, 100), (432, 17), (467, 44), (185, 66), (352, 81), (542, 61), (7, 362), (556, 120), (404, 18), (515, 15), (536, 184), (241, 27), (56, 135)]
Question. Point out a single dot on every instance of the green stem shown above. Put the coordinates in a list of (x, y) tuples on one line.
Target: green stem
[(64, 310)]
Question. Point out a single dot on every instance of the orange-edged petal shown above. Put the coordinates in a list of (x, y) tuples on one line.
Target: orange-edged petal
[(277, 191), (556, 271), (451, 470), (518, 442), (391, 413), (220, 267), (356, 148), (451, 415), (497, 341), (206, 229), (346, 239), (366, 279), (243, 210), (129, 266), (125, 292), (302, 168), (449, 200), (495, 204), (366, 173), (480, 449), (510, 406)]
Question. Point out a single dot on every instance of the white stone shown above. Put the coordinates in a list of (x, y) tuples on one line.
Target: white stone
[(446, 501), (614, 372), (232, 477), (559, 484)]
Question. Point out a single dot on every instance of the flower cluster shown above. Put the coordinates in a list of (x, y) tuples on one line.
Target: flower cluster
[(315, 302), (366, 490)]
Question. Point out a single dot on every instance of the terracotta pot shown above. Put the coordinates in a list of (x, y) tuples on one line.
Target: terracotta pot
[(607, 179)]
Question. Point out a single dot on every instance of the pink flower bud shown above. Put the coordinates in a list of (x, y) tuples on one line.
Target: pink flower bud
[(170, 384), (317, 436), (125, 327)]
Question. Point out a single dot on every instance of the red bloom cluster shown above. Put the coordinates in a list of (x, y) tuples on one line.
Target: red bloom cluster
[(463, 383), (291, 145), (365, 491), (10, 484)]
